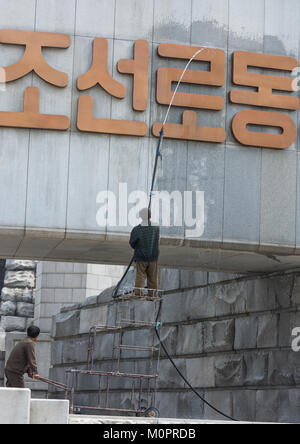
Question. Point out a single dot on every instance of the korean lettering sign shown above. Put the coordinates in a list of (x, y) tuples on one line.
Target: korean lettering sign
[(258, 90)]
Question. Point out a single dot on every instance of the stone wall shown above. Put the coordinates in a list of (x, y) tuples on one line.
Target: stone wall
[(231, 338), (17, 296)]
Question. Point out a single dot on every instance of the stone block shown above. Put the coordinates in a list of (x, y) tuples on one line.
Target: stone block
[(74, 350), (169, 279), (49, 411), (188, 405), (267, 331), (13, 323), (73, 280), (198, 304), (23, 279), (228, 296), (168, 402), (25, 309), (169, 337), (7, 308), (19, 265), (14, 406), (285, 329), (281, 287), (219, 399), (229, 370), (57, 352), (190, 339), (289, 406), (267, 404), (219, 335), (243, 405), (93, 316), (258, 296), (256, 368), (142, 311), (45, 324), (168, 376), (66, 324), (200, 372), (281, 369), (192, 278), (16, 294), (245, 332), (54, 280)]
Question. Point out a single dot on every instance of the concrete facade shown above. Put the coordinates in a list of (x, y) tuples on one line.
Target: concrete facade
[(59, 284), (230, 337), (53, 178)]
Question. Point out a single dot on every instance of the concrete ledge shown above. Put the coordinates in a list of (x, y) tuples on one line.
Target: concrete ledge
[(14, 406), (49, 411), (93, 419)]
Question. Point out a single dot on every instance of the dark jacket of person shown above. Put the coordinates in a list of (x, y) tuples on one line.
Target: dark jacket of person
[(22, 358), (144, 239)]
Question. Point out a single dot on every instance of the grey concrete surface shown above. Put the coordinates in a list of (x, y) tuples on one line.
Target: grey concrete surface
[(231, 338), (53, 178)]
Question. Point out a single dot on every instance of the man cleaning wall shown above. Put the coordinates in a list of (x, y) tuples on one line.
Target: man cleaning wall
[(22, 360), (144, 239)]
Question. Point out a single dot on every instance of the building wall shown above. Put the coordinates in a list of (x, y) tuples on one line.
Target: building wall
[(59, 284), (231, 338), (53, 177)]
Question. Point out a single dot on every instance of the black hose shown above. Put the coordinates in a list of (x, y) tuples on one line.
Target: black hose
[(180, 373)]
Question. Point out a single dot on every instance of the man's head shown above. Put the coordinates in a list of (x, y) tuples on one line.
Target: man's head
[(32, 332), (145, 214)]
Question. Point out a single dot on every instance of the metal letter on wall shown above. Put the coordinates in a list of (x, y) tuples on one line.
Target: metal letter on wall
[(33, 60), (264, 118), (189, 130), (30, 117), (98, 74), (264, 96)]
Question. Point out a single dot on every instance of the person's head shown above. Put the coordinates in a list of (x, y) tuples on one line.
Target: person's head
[(32, 332), (145, 214)]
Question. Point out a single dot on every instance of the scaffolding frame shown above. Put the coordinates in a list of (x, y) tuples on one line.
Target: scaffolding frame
[(143, 385)]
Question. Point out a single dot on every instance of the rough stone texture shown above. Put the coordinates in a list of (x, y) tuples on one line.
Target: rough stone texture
[(19, 265), (231, 340), (16, 294), (8, 308), (17, 299), (25, 309), (13, 323), (17, 279)]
